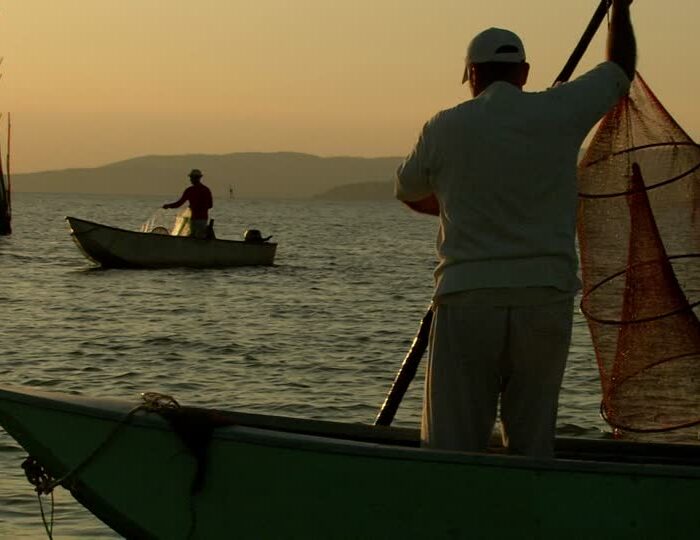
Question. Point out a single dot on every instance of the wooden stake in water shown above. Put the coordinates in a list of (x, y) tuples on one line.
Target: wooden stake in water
[(7, 163)]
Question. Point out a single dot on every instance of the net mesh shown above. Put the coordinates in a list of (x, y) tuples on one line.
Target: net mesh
[(638, 230), (161, 222)]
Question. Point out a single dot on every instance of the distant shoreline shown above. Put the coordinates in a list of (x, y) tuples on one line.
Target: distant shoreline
[(277, 175)]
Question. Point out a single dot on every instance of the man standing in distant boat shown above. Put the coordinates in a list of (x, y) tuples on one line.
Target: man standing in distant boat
[(500, 172), (200, 199)]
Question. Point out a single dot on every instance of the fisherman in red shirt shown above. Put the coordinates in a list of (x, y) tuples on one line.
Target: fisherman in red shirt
[(200, 199)]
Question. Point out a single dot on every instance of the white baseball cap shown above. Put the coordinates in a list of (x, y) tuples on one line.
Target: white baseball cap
[(494, 45)]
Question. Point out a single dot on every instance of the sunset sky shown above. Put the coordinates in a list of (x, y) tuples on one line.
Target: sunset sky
[(90, 82)]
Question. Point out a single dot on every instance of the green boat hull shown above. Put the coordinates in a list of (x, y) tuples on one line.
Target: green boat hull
[(260, 476)]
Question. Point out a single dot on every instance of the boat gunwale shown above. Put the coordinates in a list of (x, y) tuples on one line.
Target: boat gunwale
[(355, 439)]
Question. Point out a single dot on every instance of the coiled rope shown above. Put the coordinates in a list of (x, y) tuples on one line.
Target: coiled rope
[(44, 483)]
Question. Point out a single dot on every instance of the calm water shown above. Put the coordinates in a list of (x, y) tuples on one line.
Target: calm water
[(319, 335)]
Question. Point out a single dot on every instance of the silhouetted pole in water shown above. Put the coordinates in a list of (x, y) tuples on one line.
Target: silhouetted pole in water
[(420, 342), (6, 190)]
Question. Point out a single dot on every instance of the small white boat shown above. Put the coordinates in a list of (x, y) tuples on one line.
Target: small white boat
[(112, 247)]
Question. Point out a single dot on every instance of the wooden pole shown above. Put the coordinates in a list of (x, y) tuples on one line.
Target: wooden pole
[(7, 164), (5, 223)]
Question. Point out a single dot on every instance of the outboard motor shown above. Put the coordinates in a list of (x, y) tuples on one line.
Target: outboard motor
[(253, 235), (209, 235)]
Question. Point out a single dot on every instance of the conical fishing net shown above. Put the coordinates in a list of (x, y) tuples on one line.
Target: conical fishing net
[(182, 226), (639, 230)]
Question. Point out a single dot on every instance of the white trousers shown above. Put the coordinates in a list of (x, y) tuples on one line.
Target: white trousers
[(480, 353)]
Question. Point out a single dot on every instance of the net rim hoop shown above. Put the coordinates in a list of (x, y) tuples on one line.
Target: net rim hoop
[(640, 147), (613, 322), (583, 195), (624, 427), (604, 415), (620, 382)]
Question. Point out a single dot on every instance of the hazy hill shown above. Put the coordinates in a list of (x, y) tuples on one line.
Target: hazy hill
[(283, 174), (264, 175)]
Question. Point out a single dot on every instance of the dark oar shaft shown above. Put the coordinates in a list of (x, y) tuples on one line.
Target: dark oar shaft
[(585, 41), (406, 373)]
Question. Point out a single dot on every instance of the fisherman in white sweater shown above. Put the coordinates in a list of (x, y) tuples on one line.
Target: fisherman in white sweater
[(500, 171)]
